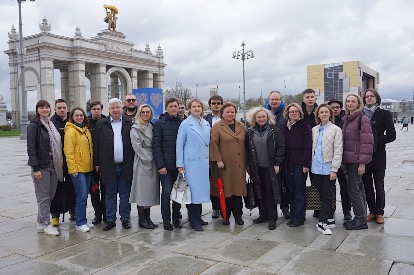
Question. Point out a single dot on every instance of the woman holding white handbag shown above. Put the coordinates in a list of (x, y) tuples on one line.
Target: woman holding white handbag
[(192, 150)]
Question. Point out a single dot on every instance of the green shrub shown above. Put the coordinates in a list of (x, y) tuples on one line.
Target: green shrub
[(6, 128)]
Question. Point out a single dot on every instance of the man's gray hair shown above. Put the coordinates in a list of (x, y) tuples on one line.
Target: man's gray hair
[(114, 100)]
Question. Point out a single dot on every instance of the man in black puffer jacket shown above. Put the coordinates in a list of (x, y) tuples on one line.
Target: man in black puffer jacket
[(163, 148)]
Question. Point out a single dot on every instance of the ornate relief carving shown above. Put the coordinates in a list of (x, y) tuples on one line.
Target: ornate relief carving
[(49, 77), (45, 26), (46, 64), (13, 35), (117, 47)]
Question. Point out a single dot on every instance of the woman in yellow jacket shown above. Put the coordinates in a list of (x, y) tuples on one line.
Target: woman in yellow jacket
[(78, 151)]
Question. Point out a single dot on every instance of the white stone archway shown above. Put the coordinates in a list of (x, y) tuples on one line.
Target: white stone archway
[(124, 77)]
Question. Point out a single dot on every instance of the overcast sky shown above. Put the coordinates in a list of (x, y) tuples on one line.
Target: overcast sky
[(199, 37)]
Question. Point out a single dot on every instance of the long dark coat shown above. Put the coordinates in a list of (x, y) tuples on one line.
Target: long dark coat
[(230, 147), (103, 149), (276, 153), (385, 134)]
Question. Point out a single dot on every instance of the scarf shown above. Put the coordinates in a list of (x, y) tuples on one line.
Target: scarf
[(262, 129), (369, 110), (199, 121), (290, 124), (56, 143)]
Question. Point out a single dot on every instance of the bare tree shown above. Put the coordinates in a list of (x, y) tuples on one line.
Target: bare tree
[(179, 92), (292, 98)]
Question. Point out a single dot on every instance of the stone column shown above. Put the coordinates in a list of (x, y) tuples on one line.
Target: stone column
[(158, 81), (77, 87), (100, 91), (64, 85), (14, 91), (47, 84), (114, 87), (145, 79), (134, 78)]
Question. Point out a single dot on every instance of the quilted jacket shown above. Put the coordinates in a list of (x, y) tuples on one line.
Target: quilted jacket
[(358, 144), (331, 144)]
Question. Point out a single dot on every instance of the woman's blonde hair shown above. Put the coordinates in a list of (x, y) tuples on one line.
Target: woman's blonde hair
[(138, 119), (360, 103), (191, 101), (286, 111), (317, 119), (251, 116)]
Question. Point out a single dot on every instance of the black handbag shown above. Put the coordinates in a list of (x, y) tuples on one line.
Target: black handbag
[(313, 201), (250, 201)]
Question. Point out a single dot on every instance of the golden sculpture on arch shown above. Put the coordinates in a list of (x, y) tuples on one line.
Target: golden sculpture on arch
[(110, 18)]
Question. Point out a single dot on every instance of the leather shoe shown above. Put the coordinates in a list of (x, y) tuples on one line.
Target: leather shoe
[(126, 224), (356, 225), (380, 219), (204, 223), (109, 225), (215, 214), (177, 224), (198, 228), (286, 213), (260, 219), (226, 222), (168, 226), (96, 220), (371, 217), (239, 221), (272, 225), (294, 223)]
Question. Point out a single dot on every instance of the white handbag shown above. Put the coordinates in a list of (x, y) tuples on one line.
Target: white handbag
[(181, 192)]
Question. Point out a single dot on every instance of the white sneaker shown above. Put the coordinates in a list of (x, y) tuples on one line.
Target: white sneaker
[(90, 225), (331, 223), (41, 227), (323, 228), (51, 230), (83, 228)]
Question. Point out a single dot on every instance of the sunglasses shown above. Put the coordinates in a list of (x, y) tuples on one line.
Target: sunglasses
[(131, 100), (215, 103)]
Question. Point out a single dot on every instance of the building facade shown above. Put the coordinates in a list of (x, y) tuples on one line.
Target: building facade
[(337, 80)]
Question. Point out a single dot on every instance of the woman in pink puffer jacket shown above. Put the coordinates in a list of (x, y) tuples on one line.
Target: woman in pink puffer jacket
[(358, 150)]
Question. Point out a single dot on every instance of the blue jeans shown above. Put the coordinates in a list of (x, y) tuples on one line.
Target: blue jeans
[(167, 182), (81, 183), (296, 182), (123, 187)]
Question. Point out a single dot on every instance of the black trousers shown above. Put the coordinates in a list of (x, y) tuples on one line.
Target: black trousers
[(375, 199), (326, 189), (267, 206), (194, 214), (215, 202), (234, 204), (284, 192), (343, 184), (98, 195)]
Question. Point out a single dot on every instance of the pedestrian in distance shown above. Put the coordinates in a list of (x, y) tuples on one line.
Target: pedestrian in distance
[(404, 123)]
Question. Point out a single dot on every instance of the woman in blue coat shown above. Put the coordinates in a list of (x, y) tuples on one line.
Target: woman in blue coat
[(193, 141)]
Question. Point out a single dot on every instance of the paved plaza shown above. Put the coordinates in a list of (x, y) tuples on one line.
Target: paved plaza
[(234, 249)]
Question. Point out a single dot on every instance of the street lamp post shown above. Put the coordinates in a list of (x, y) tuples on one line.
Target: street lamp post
[(23, 113), (243, 55)]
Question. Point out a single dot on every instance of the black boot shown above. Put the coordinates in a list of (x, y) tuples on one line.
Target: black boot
[(142, 219), (148, 212)]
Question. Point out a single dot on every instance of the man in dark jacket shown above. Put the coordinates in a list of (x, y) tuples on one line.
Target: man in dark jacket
[(336, 106), (164, 152), (215, 102), (65, 192), (130, 106), (113, 157), (97, 188), (375, 170), (277, 106)]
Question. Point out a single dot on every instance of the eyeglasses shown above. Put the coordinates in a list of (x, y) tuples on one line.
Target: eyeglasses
[(145, 112), (215, 103), (129, 100), (294, 112), (335, 107), (368, 96)]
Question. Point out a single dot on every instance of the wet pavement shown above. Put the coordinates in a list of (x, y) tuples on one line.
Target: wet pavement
[(234, 249)]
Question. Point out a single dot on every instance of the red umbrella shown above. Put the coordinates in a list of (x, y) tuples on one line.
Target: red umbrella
[(222, 198)]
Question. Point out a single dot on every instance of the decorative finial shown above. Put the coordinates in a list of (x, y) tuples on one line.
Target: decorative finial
[(160, 52), (78, 33), (45, 26), (147, 48), (13, 35)]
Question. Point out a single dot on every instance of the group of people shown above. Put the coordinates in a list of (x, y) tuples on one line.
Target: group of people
[(125, 154)]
